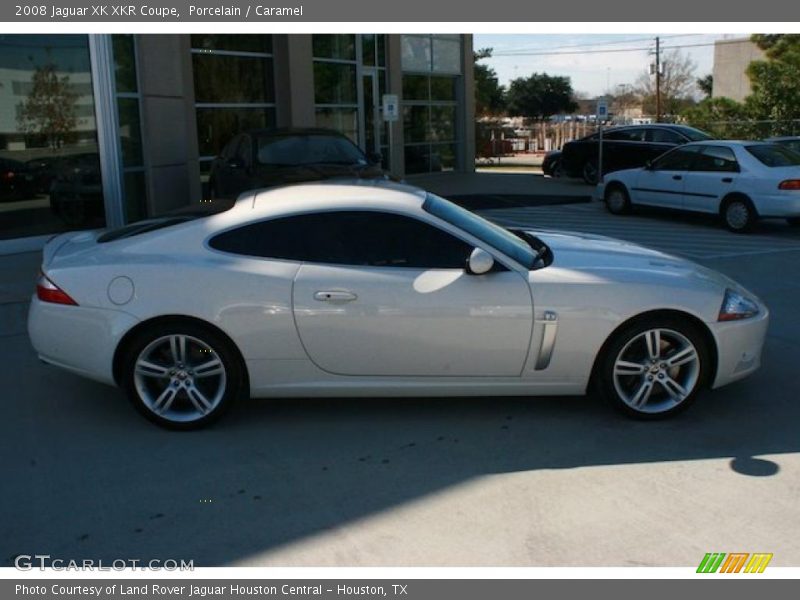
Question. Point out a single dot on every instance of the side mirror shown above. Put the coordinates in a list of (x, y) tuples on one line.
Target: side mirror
[(479, 262)]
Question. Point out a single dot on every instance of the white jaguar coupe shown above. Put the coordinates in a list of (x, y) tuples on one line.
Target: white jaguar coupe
[(376, 289)]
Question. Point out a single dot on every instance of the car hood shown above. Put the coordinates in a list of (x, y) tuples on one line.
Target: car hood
[(622, 261)]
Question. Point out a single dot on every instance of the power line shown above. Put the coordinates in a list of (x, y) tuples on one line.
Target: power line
[(615, 50), (593, 44)]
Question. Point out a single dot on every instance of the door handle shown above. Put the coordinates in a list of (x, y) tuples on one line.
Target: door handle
[(677, 177), (335, 296), (727, 180)]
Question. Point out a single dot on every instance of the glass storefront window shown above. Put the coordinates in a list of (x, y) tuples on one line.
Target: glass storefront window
[(49, 166), (232, 79), (344, 120), (446, 56), (334, 83), (340, 46), (233, 42), (216, 126)]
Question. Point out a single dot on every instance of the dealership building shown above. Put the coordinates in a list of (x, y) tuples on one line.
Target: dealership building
[(100, 130)]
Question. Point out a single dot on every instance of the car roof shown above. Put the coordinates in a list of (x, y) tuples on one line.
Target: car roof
[(783, 138), (326, 194)]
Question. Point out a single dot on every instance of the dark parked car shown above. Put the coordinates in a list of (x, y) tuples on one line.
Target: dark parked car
[(16, 181), (790, 141), (76, 194), (551, 165), (624, 148), (271, 157)]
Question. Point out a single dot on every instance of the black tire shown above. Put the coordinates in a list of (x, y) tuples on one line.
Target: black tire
[(793, 221), (738, 214), (557, 169), (182, 410), (663, 400), (590, 173), (618, 201)]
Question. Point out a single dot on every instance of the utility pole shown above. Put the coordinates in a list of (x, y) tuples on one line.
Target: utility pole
[(658, 80)]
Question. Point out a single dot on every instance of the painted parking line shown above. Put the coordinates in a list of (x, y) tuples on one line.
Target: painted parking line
[(695, 238)]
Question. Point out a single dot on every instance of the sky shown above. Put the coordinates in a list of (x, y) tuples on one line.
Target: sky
[(585, 58)]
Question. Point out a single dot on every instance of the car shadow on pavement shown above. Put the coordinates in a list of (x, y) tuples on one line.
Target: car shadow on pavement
[(88, 478)]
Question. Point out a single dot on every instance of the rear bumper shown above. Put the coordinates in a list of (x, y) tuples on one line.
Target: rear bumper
[(76, 338), (739, 346), (785, 204)]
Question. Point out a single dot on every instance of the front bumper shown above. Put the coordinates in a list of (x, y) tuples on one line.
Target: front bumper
[(739, 346), (77, 338)]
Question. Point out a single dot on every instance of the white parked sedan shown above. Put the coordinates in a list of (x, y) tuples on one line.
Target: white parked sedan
[(740, 181), (382, 290)]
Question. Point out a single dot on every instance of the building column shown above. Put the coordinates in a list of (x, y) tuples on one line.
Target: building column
[(169, 127), (294, 80), (468, 104), (394, 70)]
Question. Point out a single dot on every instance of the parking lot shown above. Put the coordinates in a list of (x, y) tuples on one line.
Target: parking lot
[(424, 482)]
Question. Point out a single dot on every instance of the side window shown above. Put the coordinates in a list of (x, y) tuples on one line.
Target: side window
[(625, 135), (716, 159), (679, 159), (664, 136), (365, 238)]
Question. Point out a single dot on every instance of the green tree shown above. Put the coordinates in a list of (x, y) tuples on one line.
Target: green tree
[(489, 94), (775, 93), (706, 85), (721, 117), (540, 96)]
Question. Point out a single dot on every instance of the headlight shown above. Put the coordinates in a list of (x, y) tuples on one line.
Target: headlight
[(735, 307)]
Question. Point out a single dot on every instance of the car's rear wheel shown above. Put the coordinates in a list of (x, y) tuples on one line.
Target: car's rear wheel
[(738, 214), (591, 174), (654, 367), (182, 375), (617, 200), (557, 169)]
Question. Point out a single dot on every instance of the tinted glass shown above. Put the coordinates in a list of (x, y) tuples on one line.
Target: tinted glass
[(679, 159), (664, 136), (293, 150), (363, 238), (216, 126), (334, 83), (716, 159), (343, 120), (232, 79), (694, 135), (341, 46), (774, 155), (486, 231), (625, 135), (235, 42)]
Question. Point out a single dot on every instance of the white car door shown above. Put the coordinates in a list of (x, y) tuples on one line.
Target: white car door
[(712, 175), (662, 183), (391, 297)]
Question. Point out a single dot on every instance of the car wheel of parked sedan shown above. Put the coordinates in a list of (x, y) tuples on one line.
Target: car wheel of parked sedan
[(738, 214), (182, 375), (558, 169), (590, 172), (617, 200), (654, 368)]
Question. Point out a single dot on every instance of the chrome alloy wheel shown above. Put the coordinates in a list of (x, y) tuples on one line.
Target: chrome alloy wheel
[(656, 370), (180, 378)]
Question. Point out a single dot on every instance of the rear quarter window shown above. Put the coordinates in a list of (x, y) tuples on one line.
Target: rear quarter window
[(773, 155)]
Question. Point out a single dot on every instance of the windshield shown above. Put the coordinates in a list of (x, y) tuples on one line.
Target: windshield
[(774, 155), (486, 231), (294, 150)]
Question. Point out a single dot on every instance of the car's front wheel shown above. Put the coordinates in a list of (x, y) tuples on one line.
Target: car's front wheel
[(617, 200), (182, 375), (590, 172), (654, 368)]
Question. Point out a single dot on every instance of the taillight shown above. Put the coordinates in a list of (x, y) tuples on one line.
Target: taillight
[(47, 291), (9, 175), (789, 184)]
